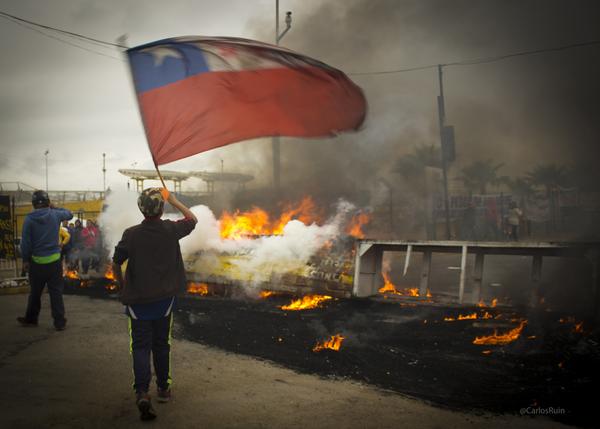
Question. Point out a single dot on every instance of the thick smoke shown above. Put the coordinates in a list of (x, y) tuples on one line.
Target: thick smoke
[(522, 111), (261, 257)]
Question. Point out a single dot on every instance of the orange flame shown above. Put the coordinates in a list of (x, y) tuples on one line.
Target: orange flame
[(493, 304), (71, 274), (333, 344), (197, 288), (471, 316), (111, 287), (109, 275), (413, 291), (306, 302), (266, 293), (388, 286), (257, 221), (501, 339), (239, 225), (578, 328), (305, 211), (354, 229)]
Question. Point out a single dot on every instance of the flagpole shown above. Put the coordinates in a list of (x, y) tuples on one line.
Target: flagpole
[(160, 175)]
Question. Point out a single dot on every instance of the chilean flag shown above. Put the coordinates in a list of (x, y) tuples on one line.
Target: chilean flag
[(199, 93)]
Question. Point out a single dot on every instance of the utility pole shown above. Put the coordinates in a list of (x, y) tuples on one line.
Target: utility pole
[(276, 144), (104, 172), (442, 119), (46, 155)]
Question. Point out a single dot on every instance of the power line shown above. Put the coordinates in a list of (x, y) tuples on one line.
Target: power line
[(69, 33), (483, 60), (470, 62), (32, 28)]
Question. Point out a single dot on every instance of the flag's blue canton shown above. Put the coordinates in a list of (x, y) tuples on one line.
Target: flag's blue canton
[(153, 69)]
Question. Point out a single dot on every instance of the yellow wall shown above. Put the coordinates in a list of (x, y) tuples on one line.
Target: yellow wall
[(89, 209)]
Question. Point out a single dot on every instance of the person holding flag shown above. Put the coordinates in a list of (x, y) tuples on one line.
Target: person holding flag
[(154, 276)]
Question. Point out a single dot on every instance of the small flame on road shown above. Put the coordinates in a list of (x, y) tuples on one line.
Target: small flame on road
[(332, 344), (471, 316), (71, 274), (108, 274), (306, 302), (493, 303), (111, 287), (197, 288), (501, 339), (389, 287), (266, 293)]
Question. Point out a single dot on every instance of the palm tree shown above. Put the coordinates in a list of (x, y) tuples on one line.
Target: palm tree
[(520, 187), (550, 177), (412, 167), (477, 176)]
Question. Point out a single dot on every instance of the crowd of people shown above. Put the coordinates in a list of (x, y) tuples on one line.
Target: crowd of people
[(83, 249), (486, 223)]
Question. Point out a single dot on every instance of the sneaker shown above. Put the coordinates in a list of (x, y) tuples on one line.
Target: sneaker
[(61, 326), (164, 395), (145, 406), (26, 323)]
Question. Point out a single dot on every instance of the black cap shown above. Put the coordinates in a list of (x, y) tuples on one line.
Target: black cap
[(40, 199)]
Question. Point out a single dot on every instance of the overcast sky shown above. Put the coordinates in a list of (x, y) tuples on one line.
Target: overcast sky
[(79, 104)]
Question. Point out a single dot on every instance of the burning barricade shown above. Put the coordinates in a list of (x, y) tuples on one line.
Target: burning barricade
[(299, 252)]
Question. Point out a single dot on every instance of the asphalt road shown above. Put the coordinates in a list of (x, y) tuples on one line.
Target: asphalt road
[(81, 378)]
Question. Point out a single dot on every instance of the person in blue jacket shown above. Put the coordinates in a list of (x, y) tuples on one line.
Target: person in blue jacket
[(41, 258)]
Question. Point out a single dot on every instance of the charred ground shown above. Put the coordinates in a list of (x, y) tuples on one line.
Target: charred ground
[(410, 349)]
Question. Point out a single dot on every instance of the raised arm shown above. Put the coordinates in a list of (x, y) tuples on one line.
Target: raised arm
[(185, 211)]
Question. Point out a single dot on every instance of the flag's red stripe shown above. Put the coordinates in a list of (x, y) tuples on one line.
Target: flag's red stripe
[(213, 109)]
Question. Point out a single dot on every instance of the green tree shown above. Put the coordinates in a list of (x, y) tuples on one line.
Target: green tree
[(412, 165), (477, 176), (550, 177)]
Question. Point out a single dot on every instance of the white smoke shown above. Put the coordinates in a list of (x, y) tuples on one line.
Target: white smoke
[(120, 211), (257, 259)]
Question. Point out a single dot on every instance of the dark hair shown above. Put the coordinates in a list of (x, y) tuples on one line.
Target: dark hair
[(40, 199)]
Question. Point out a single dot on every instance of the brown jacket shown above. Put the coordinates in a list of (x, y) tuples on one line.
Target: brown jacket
[(155, 268)]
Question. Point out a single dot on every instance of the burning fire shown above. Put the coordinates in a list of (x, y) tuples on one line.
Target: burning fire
[(109, 275), (111, 287), (266, 293), (388, 286), (333, 344), (501, 339), (257, 221), (355, 227), (197, 288), (71, 274), (471, 316), (493, 304), (306, 302)]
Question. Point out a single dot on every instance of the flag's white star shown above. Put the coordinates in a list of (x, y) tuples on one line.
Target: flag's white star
[(160, 53)]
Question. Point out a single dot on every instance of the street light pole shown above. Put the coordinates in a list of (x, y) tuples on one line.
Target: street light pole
[(104, 172), (442, 119), (46, 155), (276, 144)]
